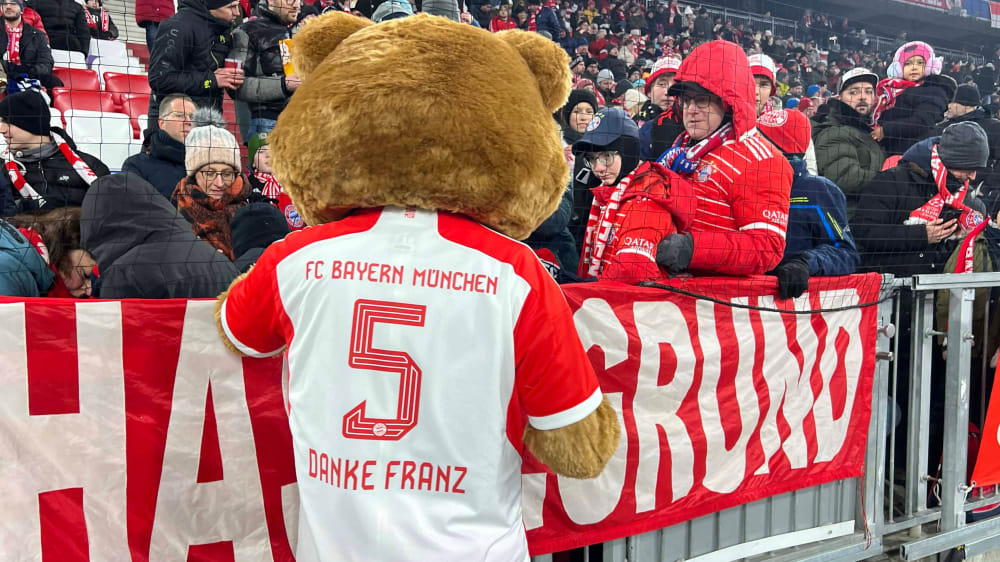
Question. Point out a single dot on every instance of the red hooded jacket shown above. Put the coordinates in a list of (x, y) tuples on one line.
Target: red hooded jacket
[(742, 186)]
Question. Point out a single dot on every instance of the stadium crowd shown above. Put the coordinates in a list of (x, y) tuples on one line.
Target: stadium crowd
[(696, 147)]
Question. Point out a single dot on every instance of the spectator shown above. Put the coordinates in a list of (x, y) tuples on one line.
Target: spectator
[(632, 207), (542, 19), (741, 181), (502, 21), (65, 24), (45, 169), (27, 49), (818, 241), (657, 85), (846, 152), (606, 85), (149, 14), (144, 247), (214, 189), (703, 26), (482, 11), (264, 185), (576, 68), (99, 21), (591, 71), (763, 69), (256, 43), (913, 99), (161, 162), (574, 118), (554, 235), (190, 63), (632, 102), (966, 107), (55, 237), (909, 215), (23, 271)]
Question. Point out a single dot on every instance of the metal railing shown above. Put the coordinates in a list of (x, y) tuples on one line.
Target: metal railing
[(887, 509)]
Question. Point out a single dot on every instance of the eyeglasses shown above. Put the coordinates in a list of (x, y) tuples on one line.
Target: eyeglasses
[(701, 101), (179, 115), (210, 175), (602, 158)]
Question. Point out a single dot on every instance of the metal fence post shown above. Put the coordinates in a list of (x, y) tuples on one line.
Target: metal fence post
[(871, 513), (956, 409), (919, 400)]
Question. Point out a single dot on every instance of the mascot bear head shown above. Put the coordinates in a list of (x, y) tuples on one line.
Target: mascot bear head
[(424, 112)]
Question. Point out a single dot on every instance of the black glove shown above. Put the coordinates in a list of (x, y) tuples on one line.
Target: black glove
[(793, 278), (674, 253)]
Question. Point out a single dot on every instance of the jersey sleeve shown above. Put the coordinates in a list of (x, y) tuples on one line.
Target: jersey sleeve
[(555, 381), (252, 314)]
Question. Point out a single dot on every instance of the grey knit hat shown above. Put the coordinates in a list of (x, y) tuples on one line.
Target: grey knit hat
[(209, 142), (605, 75), (964, 146)]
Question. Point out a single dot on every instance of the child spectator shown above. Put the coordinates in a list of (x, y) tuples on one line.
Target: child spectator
[(99, 22), (265, 185)]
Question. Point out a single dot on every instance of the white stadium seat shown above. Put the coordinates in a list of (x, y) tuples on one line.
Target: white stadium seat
[(65, 58), (108, 49), (108, 136)]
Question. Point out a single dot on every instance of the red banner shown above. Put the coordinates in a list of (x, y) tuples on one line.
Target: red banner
[(128, 432)]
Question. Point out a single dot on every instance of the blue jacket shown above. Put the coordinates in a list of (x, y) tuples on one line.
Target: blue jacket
[(817, 225), (547, 20), (23, 272), (553, 234)]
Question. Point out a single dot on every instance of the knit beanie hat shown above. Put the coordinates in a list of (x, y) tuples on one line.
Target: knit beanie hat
[(763, 65), (666, 65), (255, 144), (392, 9), (215, 4), (790, 131), (605, 75), (257, 225), (210, 142), (964, 146), (26, 110), (968, 95), (576, 97), (915, 49)]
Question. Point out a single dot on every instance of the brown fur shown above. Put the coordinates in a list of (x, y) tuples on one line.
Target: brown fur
[(579, 450), (424, 112), (218, 314)]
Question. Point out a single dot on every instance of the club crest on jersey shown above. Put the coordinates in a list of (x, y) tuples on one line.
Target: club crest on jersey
[(775, 118), (293, 218), (595, 122), (705, 172)]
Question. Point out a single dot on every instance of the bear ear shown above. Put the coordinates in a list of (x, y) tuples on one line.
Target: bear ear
[(320, 37), (547, 61)]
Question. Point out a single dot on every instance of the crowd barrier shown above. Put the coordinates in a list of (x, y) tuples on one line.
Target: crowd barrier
[(753, 428)]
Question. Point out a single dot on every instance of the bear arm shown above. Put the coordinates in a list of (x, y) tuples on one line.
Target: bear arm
[(578, 450), (218, 314)]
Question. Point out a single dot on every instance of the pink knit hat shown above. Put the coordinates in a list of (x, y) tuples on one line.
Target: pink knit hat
[(915, 49)]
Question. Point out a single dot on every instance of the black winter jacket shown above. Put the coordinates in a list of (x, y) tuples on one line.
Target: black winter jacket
[(190, 46), (991, 175), (65, 23), (36, 56), (916, 111), (887, 245), (144, 247), (52, 176), (256, 43), (161, 163)]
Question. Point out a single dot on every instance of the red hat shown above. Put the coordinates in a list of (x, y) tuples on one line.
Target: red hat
[(665, 65), (805, 103), (763, 65), (789, 130)]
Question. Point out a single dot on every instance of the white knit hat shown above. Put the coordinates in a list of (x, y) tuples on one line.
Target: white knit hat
[(210, 143)]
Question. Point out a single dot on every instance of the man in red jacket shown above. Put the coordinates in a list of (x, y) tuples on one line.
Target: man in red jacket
[(149, 14), (742, 182)]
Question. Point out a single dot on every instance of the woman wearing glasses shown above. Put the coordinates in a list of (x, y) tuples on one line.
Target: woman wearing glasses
[(213, 190)]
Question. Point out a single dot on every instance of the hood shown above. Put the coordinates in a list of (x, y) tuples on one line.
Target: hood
[(198, 7), (920, 154), (122, 211), (798, 167), (943, 81), (14, 244), (723, 68)]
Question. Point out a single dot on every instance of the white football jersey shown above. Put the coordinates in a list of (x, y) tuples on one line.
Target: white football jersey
[(419, 344)]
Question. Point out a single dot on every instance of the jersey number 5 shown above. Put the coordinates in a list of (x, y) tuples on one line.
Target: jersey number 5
[(364, 355)]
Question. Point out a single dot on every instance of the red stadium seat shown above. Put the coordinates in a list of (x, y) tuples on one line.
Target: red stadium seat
[(135, 105), (63, 99), (126, 83), (78, 78)]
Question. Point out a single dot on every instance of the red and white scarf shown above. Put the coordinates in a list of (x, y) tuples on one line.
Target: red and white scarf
[(600, 227), (14, 43), (708, 144), (969, 221), (22, 185), (272, 189), (886, 93), (532, 26), (92, 23)]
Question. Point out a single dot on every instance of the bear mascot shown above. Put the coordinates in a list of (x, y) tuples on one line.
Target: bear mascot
[(425, 345)]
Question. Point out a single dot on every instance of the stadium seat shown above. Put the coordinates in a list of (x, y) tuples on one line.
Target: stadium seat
[(98, 126), (135, 105), (56, 119), (108, 49), (64, 99), (78, 78), (126, 83), (64, 58), (112, 154)]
